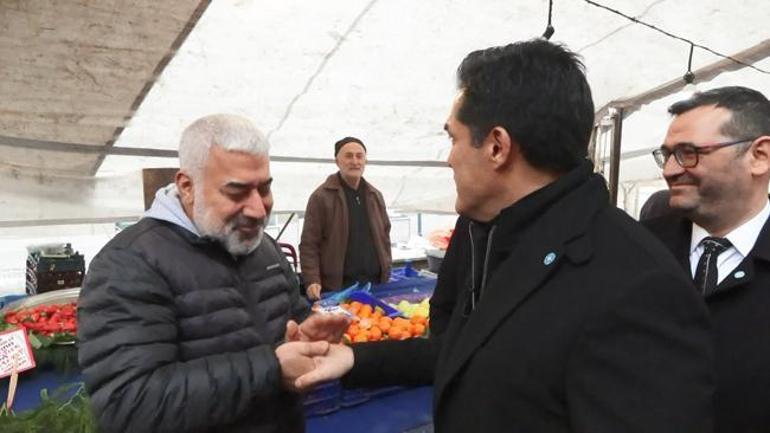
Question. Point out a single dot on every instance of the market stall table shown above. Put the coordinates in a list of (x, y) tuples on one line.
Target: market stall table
[(381, 411), (406, 410)]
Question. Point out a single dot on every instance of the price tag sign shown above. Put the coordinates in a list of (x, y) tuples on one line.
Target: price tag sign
[(15, 352)]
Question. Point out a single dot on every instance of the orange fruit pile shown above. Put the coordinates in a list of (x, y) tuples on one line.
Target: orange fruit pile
[(371, 324)]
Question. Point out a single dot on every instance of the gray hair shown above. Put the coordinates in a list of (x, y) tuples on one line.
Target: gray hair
[(231, 132)]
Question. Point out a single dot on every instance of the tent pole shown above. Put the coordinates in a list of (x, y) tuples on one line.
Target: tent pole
[(419, 223), (596, 159), (617, 134)]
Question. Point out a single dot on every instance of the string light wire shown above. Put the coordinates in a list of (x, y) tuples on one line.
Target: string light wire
[(671, 35)]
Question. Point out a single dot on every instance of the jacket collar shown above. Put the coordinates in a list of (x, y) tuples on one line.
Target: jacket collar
[(676, 231), (167, 207), (333, 182), (761, 250), (531, 242), (565, 193), (744, 273)]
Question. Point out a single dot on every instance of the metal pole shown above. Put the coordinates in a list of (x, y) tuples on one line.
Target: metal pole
[(284, 226), (617, 135), (419, 224), (595, 158)]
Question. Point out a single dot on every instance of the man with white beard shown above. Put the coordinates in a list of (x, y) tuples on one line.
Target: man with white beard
[(182, 315)]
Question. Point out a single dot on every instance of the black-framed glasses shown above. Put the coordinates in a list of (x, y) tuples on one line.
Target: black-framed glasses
[(686, 154)]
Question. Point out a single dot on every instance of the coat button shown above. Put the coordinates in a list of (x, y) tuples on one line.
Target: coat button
[(739, 274), (549, 258)]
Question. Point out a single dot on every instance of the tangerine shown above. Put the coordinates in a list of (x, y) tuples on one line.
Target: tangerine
[(418, 329), (384, 325), (366, 311)]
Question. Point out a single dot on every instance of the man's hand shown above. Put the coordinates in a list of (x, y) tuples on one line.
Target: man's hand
[(318, 327), (337, 361), (313, 291), (297, 358)]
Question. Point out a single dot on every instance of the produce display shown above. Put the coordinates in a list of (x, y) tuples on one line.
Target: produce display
[(411, 309), (371, 324), (440, 238), (46, 324)]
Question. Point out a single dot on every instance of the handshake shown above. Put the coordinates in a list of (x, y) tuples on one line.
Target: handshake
[(312, 353)]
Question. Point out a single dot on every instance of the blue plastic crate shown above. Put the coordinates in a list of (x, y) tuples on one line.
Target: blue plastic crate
[(326, 391), (410, 295), (416, 285), (321, 407), (398, 274), (5, 300), (352, 397), (336, 298), (387, 390), (366, 298), (323, 399)]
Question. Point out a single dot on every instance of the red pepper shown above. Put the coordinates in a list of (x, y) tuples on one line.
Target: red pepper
[(46, 319)]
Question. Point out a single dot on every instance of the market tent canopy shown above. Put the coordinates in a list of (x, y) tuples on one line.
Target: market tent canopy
[(83, 81), (75, 72)]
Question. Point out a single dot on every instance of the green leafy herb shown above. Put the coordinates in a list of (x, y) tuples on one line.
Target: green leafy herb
[(66, 410)]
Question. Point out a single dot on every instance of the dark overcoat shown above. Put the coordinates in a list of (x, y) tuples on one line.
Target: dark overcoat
[(740, 311), (584, 323)]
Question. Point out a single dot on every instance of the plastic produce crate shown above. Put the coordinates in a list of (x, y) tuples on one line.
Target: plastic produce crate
[(404, 280), (366, 298), (6, 300), (352, 397), (323, 400)]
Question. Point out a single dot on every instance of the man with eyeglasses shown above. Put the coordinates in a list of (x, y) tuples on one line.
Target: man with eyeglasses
[(718, 179)]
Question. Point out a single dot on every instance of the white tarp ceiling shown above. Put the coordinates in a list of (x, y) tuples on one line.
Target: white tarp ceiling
[(311, 72)]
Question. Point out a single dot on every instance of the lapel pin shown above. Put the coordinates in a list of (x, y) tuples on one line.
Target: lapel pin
[(739, 274), (549, 258)]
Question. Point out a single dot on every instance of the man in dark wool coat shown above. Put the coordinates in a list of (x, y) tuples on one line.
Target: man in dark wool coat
[(716, 161), (554, 311)]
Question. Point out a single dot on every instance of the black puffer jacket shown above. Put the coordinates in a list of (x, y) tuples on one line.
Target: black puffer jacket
[(178, 336)]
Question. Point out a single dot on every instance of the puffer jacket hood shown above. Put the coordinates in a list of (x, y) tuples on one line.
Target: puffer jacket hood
[(167, 207)]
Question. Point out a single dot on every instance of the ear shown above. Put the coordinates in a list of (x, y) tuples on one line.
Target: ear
[(760, 156), (501, 146), (185, 187)]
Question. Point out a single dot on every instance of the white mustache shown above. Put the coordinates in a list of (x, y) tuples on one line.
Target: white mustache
[(244, 221)]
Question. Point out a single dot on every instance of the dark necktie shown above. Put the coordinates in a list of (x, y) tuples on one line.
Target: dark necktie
[(706, 273)]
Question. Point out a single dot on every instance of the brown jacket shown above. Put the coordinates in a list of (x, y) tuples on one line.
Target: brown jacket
[(325, 233)]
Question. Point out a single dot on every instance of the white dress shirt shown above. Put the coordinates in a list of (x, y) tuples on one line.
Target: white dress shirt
[(743, 239)]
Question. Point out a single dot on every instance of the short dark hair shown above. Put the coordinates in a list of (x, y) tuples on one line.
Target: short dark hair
[(338, 145), (537, 91), (750, 110)]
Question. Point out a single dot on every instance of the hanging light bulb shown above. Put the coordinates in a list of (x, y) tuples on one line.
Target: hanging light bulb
[(690, 88), (549, 30), (689, 77)]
